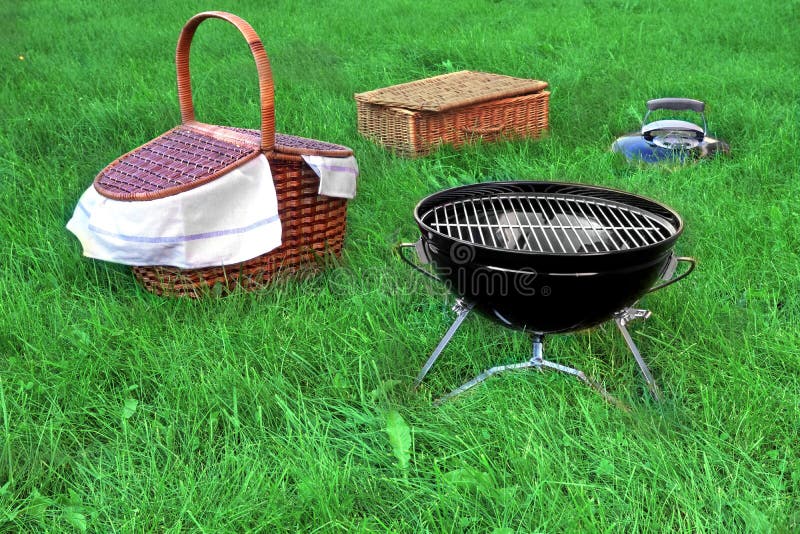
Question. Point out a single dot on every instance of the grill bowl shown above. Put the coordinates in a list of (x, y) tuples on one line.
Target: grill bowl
[(546, 289)]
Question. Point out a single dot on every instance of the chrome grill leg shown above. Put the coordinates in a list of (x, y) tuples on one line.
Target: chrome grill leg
[(622, 319), (537, 361), (462, 308)]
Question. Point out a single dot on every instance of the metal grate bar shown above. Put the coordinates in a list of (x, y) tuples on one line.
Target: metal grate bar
[(541, 222), (515, 225), (477, 220), (643, 227), (436, 225), (610, 227), (648, 227), (599, 238), (616, 238), (453, 222), (530, 225), (496, 218), (623, 214), (621, 226), (552, 204), (548, 226), (538, 223), (579, 245), (504, 225), (585, 236), (466, 218)]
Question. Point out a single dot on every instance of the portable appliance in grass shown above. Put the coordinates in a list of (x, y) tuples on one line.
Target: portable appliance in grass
[(195, 158), (670, 140), (545, 258)]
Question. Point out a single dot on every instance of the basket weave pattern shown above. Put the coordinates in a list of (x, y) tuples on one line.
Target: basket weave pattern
[(176, 161), (195, 153), (312, 227), (453, 109)]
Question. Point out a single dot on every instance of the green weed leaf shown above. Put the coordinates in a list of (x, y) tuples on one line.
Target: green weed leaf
[(605, 468), (469, 478), (383, 389), (129, 408), (76, 519), (466, 522), (37, 504), (399, 438)]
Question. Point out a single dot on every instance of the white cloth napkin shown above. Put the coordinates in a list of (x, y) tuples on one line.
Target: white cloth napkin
[(337, 176), (232, 219)]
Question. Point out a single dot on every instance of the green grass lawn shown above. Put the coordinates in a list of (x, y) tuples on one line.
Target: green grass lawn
[(290, 409)]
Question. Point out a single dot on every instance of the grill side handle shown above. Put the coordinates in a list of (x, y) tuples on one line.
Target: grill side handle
[(421, 256), (668, 276)]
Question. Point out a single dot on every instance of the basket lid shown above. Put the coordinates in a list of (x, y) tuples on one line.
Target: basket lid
[(452, 90), (191, 155)]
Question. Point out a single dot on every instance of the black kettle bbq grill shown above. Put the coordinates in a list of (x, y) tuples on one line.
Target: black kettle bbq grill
[(546, 257)]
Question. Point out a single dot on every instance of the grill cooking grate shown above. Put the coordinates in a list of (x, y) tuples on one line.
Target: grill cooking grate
[(549, 223)]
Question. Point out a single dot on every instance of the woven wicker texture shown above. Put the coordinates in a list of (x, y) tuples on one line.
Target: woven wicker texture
[(449, 91), (415, 132), (169, 164), (313, 231), (187, 157), (293, 144), (195, 153)]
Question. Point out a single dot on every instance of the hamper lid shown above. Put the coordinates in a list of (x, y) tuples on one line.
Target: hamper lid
[(194, 154), (452, 90)]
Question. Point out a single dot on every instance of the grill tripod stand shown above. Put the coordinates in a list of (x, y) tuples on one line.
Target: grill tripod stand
[(537, 361)]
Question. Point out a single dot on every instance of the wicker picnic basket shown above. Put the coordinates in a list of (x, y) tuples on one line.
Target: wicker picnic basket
[(413, 118), (194, 153)]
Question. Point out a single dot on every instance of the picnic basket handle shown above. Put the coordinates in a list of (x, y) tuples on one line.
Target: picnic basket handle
[(265, 85)]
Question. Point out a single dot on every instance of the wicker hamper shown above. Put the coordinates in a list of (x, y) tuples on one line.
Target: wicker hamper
[(195, 153), (413, 118)]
